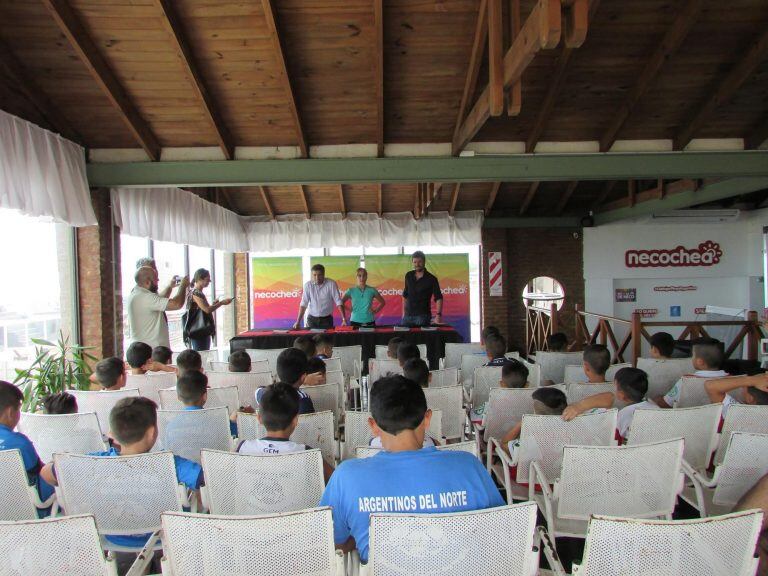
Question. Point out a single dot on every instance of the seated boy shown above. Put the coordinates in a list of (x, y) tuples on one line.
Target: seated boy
[(110, 373), (596, 361), (707, 359), (316, 370), (279, 414), (557, 342), (392, 346), (239, 361), (755, 390), (192, 391), (162, 354), (323, 346), (418, 371), (189, 361), (662, 346), (139, 357), (306, 344), (487, 331), (495, 348), (403, 477), (514, 374), (406, 351), (292, 366), (60, 403)]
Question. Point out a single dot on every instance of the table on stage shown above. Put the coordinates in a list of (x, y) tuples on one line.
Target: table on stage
[(435, 339)]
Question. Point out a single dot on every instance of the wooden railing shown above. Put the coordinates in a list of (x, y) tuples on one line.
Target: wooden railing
[(603, 333), (540, 322)]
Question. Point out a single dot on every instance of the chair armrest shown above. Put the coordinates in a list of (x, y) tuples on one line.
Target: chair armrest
[(40, 504), (340, 569), (144, 557), (536, 476), (699, 480), (550, 552), (491, 446), (502, 454)]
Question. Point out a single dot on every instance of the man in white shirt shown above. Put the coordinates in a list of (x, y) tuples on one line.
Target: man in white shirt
[(146, 308), (320, 295)]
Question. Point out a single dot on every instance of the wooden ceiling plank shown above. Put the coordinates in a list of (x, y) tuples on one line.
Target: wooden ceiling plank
[(303, 198), (725, 89), (285, 80), (267, 202), (757, 135), (454, 198), (515, 96), (532, 189), (174, 26), (669, 45), (495, 58), (475, 60), (378, 18), (607, 189), (492, 197), (566, 196), (378, 198), (670, 189), (541, 31), (97, 66)]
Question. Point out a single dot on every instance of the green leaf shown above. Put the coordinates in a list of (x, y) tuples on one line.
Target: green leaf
[(41, 342)]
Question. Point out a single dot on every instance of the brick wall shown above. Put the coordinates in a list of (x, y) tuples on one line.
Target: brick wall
[(242, 320), (495, 309)]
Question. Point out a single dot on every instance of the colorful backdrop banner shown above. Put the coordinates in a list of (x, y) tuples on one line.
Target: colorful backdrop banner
[(276, 286), (343, 270)]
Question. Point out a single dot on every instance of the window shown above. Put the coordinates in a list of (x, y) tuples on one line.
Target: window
[(541, 291)]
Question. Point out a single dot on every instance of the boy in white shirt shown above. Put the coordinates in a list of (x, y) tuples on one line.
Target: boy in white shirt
[(708, 357), (755, 390), (596, 361), (631, 388)]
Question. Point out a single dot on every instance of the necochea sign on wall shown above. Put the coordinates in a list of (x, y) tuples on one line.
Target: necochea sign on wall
[(705, 254)]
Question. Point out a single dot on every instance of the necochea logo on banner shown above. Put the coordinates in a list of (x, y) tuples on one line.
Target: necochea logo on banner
[(278, 294)]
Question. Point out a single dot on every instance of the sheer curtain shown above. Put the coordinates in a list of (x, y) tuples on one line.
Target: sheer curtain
[(43, 174)]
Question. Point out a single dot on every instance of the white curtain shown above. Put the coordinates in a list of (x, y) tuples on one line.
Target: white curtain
[(43, 174), (175, 215)]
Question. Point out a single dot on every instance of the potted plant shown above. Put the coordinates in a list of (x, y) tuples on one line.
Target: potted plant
[(57, 367)]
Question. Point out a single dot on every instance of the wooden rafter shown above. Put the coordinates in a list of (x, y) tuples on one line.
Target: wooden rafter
[(341, 200), (436, 188), (378, 199), (606, 191), (492, 197), (417, 201), (267, 202), (757, 135), (671, 42), (284, 78), (566, 196), (495, 58), (515, 96), (632, 192), (724, 90), (378, 21), (173, 24), (475, 60), (89, 54), (532, 189), (303, 198), (541, 31), (670, 188), (454, 198)]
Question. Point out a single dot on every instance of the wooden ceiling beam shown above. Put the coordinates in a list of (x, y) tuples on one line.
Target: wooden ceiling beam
[(532, 189), (724, 90), (417, 194), (670, 189), (676, 33), (607, 189), (378, 22), (267, 202), (632, 192), (515, 96), (303, 198), (454, 198), (495, 58), (541, 30), (341, 200), (378, 199), (566, 196), (284, 78), (757, 135), (492, 197), (97, 66), (173, 25), (436, 188)]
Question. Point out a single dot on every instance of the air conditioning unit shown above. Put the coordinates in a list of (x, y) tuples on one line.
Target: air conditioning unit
[(695, 216)]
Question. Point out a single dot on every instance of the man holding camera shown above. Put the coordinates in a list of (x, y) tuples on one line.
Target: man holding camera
[(146, 308)]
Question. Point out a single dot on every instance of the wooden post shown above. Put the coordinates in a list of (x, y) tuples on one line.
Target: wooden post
[(752, 336), (637, 334), (555, 323), (603, 332), (578, 336)]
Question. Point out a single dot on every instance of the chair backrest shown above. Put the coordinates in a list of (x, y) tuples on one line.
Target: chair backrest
[(244, 484), (207, 356), (506, 407), (269, 354), (65, 545), (697, 426), (435, 429), (454, 352), (257, 367), (692, 392), (468, 364), (741, 418), (542, 439), (662, 374), (101, 403), (575, 373), (379, 368), (745, 462), (126, 494), (77, 433), (451, 401), (640, 481), (576, 391), (150, 384), (186, 432), (246, 383), (534, 373), (325, 397), (553, 364), (228, 398), (356, 432), (333, 364), (315, 430), (456, 544), (366, 451), (285, 544), (485, 378), (444, 377), (720, 545), (15, 498), (351, 359), (381, 352), (469, 446)]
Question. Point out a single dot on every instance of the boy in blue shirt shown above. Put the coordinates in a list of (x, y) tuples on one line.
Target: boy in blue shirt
[(404, 477), (495, 348), (192, 391), (189, 361)]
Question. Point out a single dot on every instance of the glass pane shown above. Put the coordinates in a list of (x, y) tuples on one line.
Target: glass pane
[(169, 258)]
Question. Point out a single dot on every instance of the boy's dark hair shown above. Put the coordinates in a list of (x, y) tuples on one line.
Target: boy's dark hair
[(162, 354), (191, 386), (323, 340), (496, 346), (306, 344), (418, 371), (189, 360), (393, 345), (10, 396), (552, 398), (760, 396), (138, 354), (108, 371), (131, 417), (487, 331), (598, 357), (60, 403), (514, 373), (664, 343), (279, 406), (319, 268), (633, 382), (291, 366), (397, 404), (316, 365), (406, 351), (710, 351), (557, 342), (239, 361)]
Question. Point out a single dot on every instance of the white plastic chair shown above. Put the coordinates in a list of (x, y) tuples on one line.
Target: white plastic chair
[(245, 484), (150, 384), (357, 432), (269, 354), (575, 373), (450, 400), (78, 433), (485, 378), (18, 500), (454, 351), (662, 374), (246, 383), (126, 494), (505, 408), (381, 352), (315, 430), (207, 356), (741, 418), (692, 392), (228, 398), (444, 377), (468, 446), (333, 364), (697, 426), (576, 391), (534, 373), (257, 367), (351, 359), (101, 403), (468, 364), (68, 545), (553, 364), (186, 432), (366, 451), (271, 545), (379, 368), (640, 481), (456, 544), (325, 397)]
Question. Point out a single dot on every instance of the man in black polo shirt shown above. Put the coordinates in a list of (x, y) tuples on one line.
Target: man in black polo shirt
[(420, 287)]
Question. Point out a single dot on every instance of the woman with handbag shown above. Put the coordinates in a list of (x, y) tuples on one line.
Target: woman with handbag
[(198, 323)]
